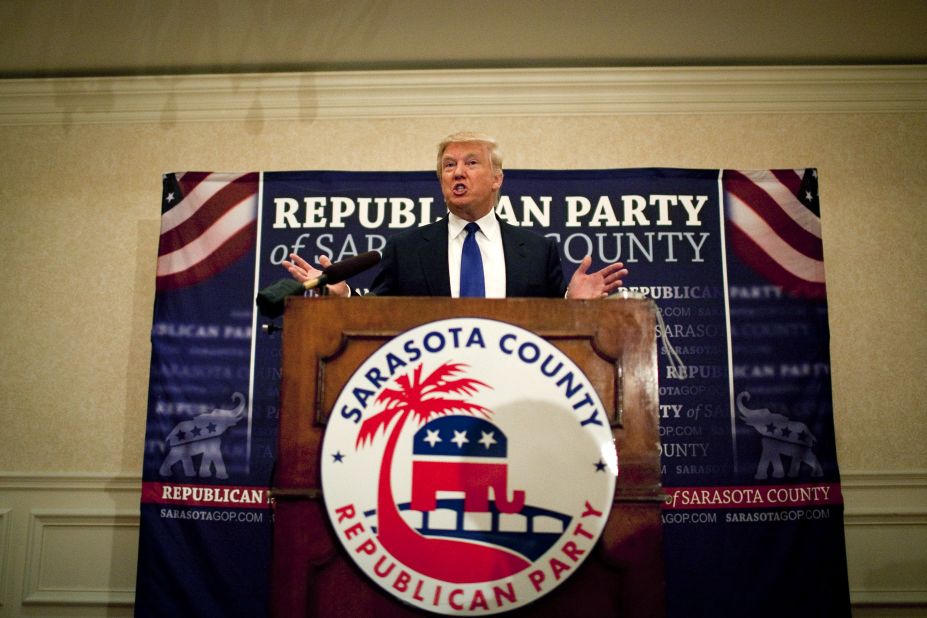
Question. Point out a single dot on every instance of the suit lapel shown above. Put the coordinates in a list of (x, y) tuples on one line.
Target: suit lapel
[(433, 259), (515, 259)]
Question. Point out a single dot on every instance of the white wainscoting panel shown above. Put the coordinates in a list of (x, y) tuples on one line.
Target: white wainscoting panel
[(68, 545), (65, 550), (886, 537), (6, 521)]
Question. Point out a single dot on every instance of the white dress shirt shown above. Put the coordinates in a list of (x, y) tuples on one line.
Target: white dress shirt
[(489, 240)]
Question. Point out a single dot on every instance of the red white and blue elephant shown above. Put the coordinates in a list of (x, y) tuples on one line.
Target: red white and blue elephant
[(462, 454)]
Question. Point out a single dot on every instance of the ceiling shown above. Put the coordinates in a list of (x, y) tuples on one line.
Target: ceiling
[(50, 38)]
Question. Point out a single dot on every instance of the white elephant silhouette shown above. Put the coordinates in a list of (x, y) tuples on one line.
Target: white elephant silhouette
[(781, 438), (201, 435)]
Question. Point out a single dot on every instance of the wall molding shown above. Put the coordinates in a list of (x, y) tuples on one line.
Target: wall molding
[(6, 523), (874, 494), (853, 480), (55, 533), (171, 99), (886, 514), (70, 482), (68, 543), (882, 478)]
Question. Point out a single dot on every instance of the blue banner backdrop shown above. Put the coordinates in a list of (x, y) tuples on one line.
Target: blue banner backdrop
[(753, 521)]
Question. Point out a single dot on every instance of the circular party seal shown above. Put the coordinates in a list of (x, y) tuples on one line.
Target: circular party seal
[(468, 467)]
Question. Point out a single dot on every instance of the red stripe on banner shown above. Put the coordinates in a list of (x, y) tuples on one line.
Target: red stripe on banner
[(223, 201), (754, 256), (188, 181), (235, 497), (236, 246), (772, 213), (790, 178), (747, 497)]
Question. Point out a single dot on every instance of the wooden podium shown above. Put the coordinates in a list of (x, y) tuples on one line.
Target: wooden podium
[(324, 341)]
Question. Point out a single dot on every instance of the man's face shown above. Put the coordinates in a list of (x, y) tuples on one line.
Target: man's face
[(468, 181)]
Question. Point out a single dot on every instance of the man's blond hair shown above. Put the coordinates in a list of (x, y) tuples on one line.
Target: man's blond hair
[(495, 155)]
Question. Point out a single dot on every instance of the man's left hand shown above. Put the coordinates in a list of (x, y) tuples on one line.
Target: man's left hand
[(598, 284)]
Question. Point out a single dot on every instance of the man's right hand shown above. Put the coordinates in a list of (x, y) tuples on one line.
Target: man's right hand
[(303, 271)]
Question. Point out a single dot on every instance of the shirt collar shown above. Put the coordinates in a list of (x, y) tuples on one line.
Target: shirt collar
[(489, 225)]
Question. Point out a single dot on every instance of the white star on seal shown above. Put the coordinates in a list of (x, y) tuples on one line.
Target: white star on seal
[(460, 438), (487, 440), (432, 438)]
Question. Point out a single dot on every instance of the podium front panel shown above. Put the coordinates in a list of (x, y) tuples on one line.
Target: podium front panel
[(326, 339)]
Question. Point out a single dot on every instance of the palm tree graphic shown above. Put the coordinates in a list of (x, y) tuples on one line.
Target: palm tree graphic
[(423, 398)]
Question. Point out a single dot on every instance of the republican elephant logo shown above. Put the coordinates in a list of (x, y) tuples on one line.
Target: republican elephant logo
[(462, 454), (459, 483), (781, 438), (202, 436)]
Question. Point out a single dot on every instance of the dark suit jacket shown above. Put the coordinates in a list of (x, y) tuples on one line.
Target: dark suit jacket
[(414, 263)]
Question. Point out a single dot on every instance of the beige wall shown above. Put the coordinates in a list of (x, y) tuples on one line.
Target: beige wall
[(80, 193)]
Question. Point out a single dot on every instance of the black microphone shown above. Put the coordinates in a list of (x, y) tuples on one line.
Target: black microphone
[(339, 271), (270, 300)]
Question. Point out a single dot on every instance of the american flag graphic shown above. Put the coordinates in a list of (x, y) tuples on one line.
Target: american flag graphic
[(207, 222), (774, 226)]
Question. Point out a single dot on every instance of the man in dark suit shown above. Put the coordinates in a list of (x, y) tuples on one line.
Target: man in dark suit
[(432, 260)]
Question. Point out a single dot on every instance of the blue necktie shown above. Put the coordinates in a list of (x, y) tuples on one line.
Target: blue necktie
[(471, 265)]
